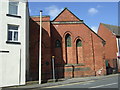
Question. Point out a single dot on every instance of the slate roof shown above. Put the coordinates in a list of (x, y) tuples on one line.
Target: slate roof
[(114, 29)]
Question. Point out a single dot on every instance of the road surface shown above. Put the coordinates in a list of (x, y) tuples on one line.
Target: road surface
[(110, 82)]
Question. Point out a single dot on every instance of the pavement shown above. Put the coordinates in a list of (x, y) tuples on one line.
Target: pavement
[(60, 82)]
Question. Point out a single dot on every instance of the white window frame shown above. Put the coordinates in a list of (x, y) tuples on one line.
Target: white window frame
[(13, 31)]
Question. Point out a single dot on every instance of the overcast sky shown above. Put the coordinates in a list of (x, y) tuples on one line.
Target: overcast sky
[(93, 13)]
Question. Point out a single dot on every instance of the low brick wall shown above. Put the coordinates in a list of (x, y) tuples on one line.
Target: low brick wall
[(73, 70)]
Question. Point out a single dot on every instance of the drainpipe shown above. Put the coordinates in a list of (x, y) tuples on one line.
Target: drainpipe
[(20, 69), (40, 47), (93, 53)]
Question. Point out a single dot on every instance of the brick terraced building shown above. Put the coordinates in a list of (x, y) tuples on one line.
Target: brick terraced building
[(77, 49), (111, 34)]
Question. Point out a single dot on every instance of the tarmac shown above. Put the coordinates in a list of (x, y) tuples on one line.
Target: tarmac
[(34, 84)]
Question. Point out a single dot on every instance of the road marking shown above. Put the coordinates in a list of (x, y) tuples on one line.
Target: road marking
[(69, 84), (103, 85)]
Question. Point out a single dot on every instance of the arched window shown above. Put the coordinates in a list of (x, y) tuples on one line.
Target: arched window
[(57, 44), (79, 51), (79, 43), (68, 40)]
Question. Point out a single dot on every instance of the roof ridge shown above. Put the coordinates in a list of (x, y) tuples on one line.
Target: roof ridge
[(110, 25), (113, 28)]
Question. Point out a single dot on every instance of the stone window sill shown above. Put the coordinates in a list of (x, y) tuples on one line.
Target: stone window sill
[(9, 42), (10, 15)]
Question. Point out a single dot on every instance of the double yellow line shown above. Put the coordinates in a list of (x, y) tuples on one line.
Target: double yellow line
[(70, 84)]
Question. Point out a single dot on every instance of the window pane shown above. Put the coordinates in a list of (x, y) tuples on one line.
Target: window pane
[(68, 40), (57, 44), (13, 3), (13, 32), (9, 35), (12, 27), (13, 8), (79, 43), (15, 36)]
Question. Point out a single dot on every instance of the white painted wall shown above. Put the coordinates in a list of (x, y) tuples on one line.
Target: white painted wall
[(12, 72), (118, 53), (0, 47), (119, 45)]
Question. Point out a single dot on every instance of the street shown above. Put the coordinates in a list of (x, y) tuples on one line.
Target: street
[(107, 82), (111, 82)]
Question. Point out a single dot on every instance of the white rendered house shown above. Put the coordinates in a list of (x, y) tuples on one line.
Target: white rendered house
[(14, 33)]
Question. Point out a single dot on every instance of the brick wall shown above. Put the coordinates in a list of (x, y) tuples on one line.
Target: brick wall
[(69, 61), (111, 44), (34, 48), (76, 31), (98, 54)]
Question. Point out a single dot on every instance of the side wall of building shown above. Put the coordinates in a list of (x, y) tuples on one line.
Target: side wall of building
[(13, 56), (0, 44), (98, 55), (111, 44), (34, 48)]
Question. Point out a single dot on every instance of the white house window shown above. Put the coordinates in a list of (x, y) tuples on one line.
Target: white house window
[(13, 8), (13, 33)]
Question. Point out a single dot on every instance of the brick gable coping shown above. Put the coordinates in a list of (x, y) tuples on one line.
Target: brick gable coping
[(65, 9)]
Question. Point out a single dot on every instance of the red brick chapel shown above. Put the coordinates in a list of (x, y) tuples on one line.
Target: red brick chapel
[(78, 50)]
